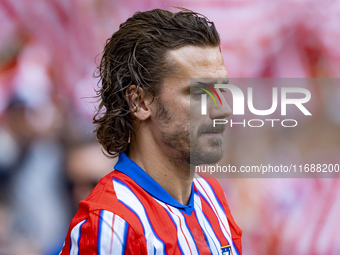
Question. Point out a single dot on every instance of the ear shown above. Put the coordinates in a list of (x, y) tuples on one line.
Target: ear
[(139, 101)]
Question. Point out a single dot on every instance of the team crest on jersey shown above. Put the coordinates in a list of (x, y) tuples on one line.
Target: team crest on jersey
[(226, 250)]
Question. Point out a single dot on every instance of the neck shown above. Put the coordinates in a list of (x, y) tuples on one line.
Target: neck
[(172, 175)]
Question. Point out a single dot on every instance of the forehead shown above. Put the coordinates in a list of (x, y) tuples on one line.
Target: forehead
[(197, 62)]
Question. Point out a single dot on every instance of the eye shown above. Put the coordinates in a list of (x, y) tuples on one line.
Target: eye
[(196, 93), (222, 90)]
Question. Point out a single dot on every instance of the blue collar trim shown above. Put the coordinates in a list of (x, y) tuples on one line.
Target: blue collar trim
[(131, 169)]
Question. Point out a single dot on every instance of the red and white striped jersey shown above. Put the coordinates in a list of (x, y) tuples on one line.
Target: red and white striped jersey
[(130, 213)]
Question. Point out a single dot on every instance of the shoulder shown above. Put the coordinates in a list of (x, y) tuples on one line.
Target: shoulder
[(101, 232), (106, 194), (103, 222)]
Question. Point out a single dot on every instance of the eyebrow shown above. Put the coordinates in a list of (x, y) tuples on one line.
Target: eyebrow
[(210, 82)]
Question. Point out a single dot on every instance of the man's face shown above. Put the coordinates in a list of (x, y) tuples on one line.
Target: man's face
[(187, 135)]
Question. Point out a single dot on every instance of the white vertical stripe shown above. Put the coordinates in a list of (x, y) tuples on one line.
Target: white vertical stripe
[(119, 235), (204, 188), (106, 232), (213, 241), (75, 236), (128, 198), (184, 237)]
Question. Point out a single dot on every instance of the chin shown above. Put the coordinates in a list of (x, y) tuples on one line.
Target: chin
[(208, 155)]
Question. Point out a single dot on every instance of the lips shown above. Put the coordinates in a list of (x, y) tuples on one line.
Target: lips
[(209, 129)]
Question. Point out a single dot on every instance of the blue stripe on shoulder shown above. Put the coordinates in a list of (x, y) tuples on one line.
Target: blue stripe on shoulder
[(79, 235)]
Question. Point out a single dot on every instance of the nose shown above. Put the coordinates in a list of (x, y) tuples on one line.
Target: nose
[(220, 110)]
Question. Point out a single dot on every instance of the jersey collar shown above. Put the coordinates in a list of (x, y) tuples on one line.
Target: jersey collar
[(131, 169)]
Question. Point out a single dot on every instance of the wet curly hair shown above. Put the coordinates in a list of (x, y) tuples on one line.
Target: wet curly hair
[(137, 55)]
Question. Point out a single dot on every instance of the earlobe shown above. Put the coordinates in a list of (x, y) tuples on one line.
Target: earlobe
[(139, 102)]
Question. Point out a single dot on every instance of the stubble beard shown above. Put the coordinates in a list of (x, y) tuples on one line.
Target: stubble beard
[(189, 149), (178, 140), (206, 151)]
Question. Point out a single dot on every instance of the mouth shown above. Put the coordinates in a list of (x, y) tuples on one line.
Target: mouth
[(209, 131)]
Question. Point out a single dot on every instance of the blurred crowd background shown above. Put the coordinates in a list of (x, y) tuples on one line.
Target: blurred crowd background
[(49, 159)]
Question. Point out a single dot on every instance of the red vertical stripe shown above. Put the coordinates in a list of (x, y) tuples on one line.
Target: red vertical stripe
[(181, 229), (197, 233), (89, 234)]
